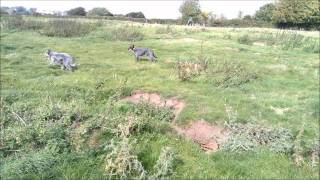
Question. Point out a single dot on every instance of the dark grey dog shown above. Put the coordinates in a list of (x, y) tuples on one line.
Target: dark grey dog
[(62, 59), (141, 51)]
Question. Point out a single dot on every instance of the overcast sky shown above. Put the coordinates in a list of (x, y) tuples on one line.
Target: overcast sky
[(151, 9)]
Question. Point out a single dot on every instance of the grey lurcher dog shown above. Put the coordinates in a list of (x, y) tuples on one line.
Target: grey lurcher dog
[(62, 59), (141, 51)]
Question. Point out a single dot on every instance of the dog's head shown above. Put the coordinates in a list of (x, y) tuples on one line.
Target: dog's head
[(131, 47)]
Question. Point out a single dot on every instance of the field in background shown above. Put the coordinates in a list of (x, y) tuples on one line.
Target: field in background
[(59, 124)]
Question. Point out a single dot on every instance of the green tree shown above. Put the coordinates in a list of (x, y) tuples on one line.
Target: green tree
[(79, 11), (297, 12), (98, 11), (247, 17), (135, 15), (265, 13), (190, 8)]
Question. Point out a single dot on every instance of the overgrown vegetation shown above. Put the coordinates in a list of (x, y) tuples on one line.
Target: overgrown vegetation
[(17, 22), (245, 39), (187, 70), (30, 163), (287, 40), (166, 30), (67, 28), (247, 137), (229, 73), (251, 137), (58, 27), (124, 33), (69, 125)]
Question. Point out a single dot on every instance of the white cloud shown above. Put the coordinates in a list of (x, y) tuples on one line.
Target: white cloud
[(151, 9)]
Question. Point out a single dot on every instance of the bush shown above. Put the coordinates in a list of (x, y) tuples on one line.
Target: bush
[(245, 39), (229, 74), (67, 28), (121, 162), (164, 165), (153, 112), (187, 70)]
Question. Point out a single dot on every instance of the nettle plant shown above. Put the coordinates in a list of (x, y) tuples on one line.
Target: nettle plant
[(121, 161)]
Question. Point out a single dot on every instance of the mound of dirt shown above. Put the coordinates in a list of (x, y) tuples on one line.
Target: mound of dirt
[(156, 100), (207, 135)]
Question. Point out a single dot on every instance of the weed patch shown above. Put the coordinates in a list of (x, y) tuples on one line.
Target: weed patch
[(17, 22), (124, 33), (37, 162), (67, 28), (247, 137), (187, 70), (229, 74), (166, 30), (245, 39)]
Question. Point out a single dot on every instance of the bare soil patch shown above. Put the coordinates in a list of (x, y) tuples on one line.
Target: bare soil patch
[(207, 135), (156, 100)]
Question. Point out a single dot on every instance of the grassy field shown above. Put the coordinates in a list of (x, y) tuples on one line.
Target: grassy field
[(59, 124)]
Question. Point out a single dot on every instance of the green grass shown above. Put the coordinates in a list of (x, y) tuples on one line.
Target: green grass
[(50, 100)]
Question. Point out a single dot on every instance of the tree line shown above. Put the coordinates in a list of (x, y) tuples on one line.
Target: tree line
[(78, 11), (282, 14)]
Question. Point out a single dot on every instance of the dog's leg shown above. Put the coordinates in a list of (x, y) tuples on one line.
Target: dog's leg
[(69, 67)]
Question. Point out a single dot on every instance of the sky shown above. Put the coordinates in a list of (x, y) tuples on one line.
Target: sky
[(151, 9)]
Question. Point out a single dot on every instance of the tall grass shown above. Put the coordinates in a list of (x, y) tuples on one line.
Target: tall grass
[(287, 40), (229, 73), (123, 33), (166, 30), (38, 162), (67, 28), (17, 22), (245, 39), (57, 27)]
